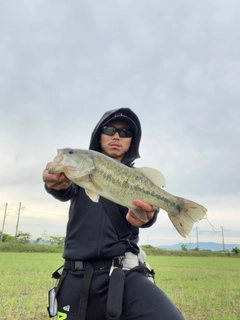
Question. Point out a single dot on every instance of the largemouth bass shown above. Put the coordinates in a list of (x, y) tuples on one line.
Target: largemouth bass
[(103, 176)]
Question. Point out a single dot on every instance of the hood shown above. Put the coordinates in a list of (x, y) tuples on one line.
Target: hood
[(132, 119)]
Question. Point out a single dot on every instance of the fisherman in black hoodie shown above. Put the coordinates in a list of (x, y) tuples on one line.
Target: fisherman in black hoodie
[(104, 275)]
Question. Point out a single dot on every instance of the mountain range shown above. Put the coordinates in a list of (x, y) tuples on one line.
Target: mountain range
[(201, 245)]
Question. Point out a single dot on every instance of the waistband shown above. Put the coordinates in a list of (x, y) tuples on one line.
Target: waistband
[(97, 264), (126, 262)]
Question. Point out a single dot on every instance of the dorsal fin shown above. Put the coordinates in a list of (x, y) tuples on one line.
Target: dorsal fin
[(153, 175)]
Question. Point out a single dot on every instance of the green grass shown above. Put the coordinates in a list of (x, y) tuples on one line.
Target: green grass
[(204, 288), (25, 281)]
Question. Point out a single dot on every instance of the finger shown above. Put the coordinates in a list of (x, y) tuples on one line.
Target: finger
[(135, 221), (144, 205), (150, 215), (48, 166)]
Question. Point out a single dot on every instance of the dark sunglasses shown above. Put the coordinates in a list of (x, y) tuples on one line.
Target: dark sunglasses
[(110, 131)]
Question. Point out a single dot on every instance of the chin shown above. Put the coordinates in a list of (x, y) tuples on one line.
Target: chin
[(114, 154)]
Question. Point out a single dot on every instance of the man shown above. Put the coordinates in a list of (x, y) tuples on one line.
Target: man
[(103, 277)]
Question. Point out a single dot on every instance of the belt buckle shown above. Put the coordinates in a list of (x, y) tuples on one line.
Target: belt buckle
[(118, 261), (79, 265)]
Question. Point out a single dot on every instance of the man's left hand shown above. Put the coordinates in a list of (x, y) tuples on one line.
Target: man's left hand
[(148, 208)]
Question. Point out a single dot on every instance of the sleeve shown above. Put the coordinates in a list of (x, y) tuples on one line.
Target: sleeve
[(152, 221), (63, 195)]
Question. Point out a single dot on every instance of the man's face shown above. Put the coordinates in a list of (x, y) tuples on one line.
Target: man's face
[(115, 146)]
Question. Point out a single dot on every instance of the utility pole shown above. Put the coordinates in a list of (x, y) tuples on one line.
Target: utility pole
[(4, 218), (223, 239), (19, 210), (197, 236)]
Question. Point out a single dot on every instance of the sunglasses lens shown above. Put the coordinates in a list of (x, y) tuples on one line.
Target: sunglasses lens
[(110, 131), (124, 133)]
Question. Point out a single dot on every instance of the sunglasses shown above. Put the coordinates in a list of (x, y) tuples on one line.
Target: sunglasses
[(110, 131)]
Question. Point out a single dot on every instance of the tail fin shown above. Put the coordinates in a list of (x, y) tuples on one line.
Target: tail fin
[(187, 214)]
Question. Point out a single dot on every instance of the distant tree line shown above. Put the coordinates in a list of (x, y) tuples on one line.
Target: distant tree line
[(25, 238), (235, 250)]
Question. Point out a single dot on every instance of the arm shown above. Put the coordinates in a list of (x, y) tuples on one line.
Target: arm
[(151, 212)]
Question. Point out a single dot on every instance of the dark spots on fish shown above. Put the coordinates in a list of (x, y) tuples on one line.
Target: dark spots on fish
[(108, 176), (181, 225), (170, 202), (70, 151), (178, 207)]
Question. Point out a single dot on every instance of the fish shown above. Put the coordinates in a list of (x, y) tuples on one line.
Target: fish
[(102, 176)]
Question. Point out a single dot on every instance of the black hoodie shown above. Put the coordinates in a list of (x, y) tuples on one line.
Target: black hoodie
[(90, 233)]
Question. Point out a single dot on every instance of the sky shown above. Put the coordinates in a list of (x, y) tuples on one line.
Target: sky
[(176, 64)]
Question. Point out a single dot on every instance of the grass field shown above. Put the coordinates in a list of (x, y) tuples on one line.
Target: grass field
[(203, 288)]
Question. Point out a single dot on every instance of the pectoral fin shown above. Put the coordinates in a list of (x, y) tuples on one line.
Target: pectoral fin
[(92, 195), (95, 185)]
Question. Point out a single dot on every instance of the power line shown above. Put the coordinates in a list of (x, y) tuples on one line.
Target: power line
[(51, 214), (41, 212)]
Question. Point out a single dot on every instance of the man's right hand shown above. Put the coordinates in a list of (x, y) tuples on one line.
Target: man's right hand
[(55, 181)]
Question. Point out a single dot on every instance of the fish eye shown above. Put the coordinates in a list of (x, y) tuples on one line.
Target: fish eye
[(71, 151)]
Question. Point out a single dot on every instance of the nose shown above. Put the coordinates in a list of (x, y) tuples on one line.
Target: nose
[(116, 135)]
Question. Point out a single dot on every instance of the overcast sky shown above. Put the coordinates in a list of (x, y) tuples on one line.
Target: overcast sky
[(174, 63)]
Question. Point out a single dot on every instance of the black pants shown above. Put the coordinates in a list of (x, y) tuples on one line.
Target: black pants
[(142, 299)]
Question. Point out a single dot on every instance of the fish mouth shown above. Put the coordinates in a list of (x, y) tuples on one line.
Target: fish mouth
[(55, 168), (60, 164), (59, 157)]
